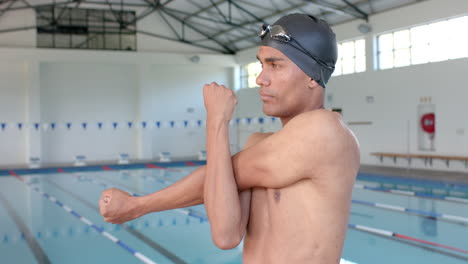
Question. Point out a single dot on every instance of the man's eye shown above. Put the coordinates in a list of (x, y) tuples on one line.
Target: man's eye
[(275, 66)]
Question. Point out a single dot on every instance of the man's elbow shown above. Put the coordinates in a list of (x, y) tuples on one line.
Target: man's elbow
[(226, 241)]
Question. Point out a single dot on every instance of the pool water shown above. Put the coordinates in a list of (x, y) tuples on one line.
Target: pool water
[(54, 218)]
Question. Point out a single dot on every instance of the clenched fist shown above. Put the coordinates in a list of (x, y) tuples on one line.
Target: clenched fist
[(117, 206), (219, 102)]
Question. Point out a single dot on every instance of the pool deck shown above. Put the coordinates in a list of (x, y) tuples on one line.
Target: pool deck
[(434, 175)]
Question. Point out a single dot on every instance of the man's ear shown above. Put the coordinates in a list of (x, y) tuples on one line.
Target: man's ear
[(312, 84)]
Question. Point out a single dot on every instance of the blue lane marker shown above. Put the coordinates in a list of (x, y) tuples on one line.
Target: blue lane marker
[(122, 244), (97, 228), (75, 214), (429, 195), (363, 202), (197, 215)]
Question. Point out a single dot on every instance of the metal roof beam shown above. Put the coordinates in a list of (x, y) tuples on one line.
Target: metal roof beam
[(333, 8), (246, 11), (170, 25), (142, 15), (117, 18), (28, 5), (167, 2), (42, 5), (219, 11), (203, 10), (182, 40), (227, 49), (230, 34), (263, 18), (210, 19), (78, 2), (17, 29), (6, 8), (306, 2), (364, 15), (256, 5), (107, 3)]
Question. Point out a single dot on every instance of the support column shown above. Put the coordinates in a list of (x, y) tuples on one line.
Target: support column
[(33, 110), (144, 138)]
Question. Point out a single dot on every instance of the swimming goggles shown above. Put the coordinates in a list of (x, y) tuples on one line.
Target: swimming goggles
[(279, 34)]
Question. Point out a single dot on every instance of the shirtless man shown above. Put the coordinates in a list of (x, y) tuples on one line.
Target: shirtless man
[(288, 193)]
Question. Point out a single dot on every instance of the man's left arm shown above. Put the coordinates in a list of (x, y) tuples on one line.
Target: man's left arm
[(228, 211), (307, 146)]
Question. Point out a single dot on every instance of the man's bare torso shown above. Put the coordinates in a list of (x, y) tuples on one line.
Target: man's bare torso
[(305, 222)]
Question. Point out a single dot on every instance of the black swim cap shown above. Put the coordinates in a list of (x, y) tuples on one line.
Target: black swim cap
[(311, 46)]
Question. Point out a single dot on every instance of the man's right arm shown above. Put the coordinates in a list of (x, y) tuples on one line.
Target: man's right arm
[(118, 206)]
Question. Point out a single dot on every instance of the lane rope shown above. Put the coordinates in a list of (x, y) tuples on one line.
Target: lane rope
[(85, 220), (412, 193), (434, 215), (387, 233)]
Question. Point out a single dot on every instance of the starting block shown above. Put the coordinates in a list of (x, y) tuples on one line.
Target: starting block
[(80, 160), (123, 158), (202, 155), (34, 162), (164, 156)]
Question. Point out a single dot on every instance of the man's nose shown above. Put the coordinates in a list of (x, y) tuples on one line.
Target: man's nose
[(262, 79)]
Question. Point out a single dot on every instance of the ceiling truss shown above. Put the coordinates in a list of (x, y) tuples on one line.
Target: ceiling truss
[(224, 26)]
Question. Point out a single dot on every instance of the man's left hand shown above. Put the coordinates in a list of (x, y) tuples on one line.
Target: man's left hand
[(219, 102)]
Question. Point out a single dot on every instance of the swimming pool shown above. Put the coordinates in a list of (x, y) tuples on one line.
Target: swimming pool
[(54, 218)]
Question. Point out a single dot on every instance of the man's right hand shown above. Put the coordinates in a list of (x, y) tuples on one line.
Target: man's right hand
[(117, 206)]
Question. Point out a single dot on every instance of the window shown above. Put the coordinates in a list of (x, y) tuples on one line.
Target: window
[(351, 57), (249, 74), (78, 28), (439, 41)]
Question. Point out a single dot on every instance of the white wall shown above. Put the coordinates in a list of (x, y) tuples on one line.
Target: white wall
[(177, 95), (12, 110), (60, 86), (397, 91), (84, 92)]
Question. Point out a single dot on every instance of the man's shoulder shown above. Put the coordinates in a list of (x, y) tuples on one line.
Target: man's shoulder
[(318, 121), (255, 138), (324, 130)]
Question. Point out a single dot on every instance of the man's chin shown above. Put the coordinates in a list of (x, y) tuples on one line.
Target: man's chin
[(269, 112)]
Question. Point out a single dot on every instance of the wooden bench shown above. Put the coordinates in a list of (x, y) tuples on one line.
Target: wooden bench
[(427, 158)]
